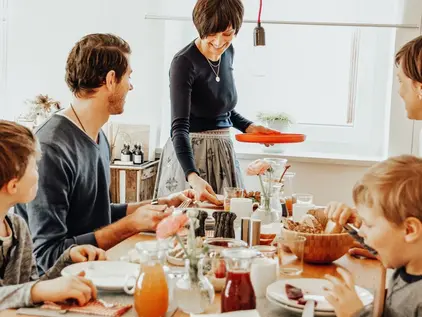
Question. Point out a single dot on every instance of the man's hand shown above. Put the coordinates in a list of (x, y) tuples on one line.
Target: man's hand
[(177, 198), (341, 294), (63, 288), (146, 218), (83, 253)]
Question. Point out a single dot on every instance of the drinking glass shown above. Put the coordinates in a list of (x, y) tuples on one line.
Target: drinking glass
[(302, 204), (229, 193), (290, 264)]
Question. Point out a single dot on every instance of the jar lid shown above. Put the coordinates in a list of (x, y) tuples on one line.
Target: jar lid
[(239, 253), (265, 248)]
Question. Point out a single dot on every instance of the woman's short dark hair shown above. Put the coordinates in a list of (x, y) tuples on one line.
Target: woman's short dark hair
[(410, 59), (215, 16)]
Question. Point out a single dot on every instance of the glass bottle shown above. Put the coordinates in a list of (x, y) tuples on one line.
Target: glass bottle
[(288, 191), (126, 153), (238, 293), (138, 154), (194, 292), (151, 285)]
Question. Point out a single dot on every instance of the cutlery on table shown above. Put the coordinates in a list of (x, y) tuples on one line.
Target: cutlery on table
[(308, 311), (354, 232)]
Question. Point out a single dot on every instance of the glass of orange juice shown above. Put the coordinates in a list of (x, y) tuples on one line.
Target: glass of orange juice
[(151, 292), (288, 191), (229, 193)]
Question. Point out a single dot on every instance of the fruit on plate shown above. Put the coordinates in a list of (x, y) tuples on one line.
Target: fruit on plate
[(293, 292), (255, 196), (177, 251)]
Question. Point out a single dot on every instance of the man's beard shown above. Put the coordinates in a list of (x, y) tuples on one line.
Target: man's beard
[(116, 103)]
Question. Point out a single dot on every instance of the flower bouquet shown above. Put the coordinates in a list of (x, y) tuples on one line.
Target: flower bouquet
[(270, 173), (194, 292)]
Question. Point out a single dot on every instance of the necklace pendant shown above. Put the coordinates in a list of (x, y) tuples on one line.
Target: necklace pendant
[(217, 79)]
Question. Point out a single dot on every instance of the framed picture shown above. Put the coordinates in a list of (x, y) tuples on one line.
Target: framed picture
[(121, 133)]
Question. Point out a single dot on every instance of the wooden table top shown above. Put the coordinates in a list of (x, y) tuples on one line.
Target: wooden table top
[(369, 274)]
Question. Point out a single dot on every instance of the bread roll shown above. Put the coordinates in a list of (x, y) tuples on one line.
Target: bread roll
[(333, 227), (320, 215)]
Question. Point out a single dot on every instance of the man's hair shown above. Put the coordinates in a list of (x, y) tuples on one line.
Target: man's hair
[(410, 59), (394, 187), (214, 16), (91, 59), (17, 144)]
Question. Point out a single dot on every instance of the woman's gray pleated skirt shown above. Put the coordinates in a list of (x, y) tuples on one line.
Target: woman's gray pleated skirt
[(215, 160)]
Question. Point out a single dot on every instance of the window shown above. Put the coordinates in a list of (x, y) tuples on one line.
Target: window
[(330, 66), (3, 57)]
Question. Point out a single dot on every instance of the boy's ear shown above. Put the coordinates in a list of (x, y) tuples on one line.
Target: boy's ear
[(413, 228), (11, 187)]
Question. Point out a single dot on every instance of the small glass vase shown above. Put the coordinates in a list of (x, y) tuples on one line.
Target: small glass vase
[(194, 292), (264, 211)]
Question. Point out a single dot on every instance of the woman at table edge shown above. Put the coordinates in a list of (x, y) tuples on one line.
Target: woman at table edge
[(203, 96), (409, 62)]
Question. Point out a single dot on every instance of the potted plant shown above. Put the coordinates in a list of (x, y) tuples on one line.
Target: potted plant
[(39, 109), (280, 121)]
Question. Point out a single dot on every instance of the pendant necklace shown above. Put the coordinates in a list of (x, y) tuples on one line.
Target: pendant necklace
[(77, 117), (217, 77)]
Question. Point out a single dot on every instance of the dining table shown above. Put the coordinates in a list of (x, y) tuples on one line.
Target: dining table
[(368, 273)]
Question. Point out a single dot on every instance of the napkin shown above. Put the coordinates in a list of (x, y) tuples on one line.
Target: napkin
[(240, 313), (94, 307)]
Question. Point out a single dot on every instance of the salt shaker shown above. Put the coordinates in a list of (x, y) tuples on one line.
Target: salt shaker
[(255, 232), (245, 223)]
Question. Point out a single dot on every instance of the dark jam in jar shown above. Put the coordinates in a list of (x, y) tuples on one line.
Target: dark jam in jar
[(238, 294)]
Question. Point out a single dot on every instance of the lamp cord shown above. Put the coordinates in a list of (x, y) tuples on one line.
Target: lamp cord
[(259, 12)]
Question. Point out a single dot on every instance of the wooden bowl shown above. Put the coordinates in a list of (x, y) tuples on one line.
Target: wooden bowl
[(321, 248)]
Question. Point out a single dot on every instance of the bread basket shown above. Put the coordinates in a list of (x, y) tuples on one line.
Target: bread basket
[(321, 248)]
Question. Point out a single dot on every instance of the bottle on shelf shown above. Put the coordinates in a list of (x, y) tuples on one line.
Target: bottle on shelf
[(138, 154), (126, 153)]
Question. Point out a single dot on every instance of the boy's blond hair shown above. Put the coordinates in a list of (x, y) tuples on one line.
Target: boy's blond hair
[(394, 186)]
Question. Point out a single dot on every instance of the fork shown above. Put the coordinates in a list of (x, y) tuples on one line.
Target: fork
[(105, 304), (185, 204)]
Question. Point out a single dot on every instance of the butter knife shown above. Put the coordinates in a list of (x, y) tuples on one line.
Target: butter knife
[(354, 232), (308, 311)]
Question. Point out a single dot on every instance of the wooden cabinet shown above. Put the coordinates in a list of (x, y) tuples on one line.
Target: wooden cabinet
[(133, 183)]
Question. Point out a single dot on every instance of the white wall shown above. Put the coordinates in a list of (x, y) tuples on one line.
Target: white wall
[(42, 32)]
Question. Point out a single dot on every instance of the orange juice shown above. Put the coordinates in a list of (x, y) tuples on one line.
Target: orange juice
[(289, 205), (151, 293)]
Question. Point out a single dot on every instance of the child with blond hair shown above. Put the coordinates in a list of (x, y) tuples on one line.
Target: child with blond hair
[(388, 201), (19, 282)]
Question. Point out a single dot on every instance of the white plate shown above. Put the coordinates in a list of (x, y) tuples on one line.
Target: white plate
[(297, 310), (106, 275), (310, 286)]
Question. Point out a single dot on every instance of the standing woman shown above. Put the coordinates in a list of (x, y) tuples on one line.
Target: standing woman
[(203, 96)]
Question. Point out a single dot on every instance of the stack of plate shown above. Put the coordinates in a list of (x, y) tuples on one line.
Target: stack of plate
[(312, 289)]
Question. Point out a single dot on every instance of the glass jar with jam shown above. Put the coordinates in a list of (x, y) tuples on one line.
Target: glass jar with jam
[(238, 293)]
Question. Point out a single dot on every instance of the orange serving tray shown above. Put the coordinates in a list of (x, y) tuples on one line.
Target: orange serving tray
[(270, 138)]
